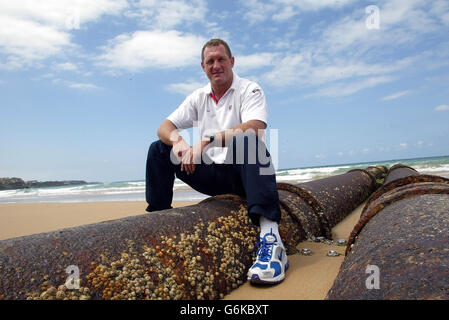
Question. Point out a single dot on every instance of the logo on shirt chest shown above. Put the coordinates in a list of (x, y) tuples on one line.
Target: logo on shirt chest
[(229, 108)]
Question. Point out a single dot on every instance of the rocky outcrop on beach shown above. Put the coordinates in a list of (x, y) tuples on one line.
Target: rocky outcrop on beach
[(17, 183), (12, 183), (45, 184)]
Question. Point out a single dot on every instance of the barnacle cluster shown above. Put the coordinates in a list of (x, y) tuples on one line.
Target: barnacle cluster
[(50, 292), (204, 263)]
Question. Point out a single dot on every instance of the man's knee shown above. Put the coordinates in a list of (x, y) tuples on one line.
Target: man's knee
[(157, 149)]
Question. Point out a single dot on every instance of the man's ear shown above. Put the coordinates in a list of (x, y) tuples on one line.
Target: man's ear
[(232, 61)]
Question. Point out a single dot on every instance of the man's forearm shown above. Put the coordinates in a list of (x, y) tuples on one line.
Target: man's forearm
[(168, 133)]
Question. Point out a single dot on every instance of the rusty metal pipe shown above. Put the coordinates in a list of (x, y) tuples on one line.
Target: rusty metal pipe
[(197, 252), (404, 233)]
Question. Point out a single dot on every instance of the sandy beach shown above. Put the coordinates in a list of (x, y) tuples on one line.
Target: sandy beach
[(24, 219), (309, 277)]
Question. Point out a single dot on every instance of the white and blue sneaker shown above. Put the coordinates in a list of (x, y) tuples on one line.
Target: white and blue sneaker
[(271, 262)]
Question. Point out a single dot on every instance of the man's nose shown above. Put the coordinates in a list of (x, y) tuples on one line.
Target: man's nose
[(216, 65)]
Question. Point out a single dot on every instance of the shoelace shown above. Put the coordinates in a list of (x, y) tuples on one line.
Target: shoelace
[(265, 250)]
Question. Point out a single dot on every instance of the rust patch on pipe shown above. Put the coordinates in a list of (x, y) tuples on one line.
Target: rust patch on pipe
[(370, 174), (339, 195), (399, 171), (314, 220)]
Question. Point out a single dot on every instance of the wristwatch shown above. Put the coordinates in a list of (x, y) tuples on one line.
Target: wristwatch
[(211, 139)]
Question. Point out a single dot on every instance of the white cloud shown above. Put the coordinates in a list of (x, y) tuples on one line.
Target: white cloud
[(257, 11), (83, 86), (396, 95), (403, 145), (24, 41), (342, 69), (308, 69), (185, 88), (33, 30), (66, 66), (285, 14), (45, 76), (254, 61), (75, 85), (152, 49), (59, 13), (281, 10), (342, 89), (216, 30), (401, 22), (443, 107), (168, 14), (347, 57), (313, 5), (441, 9)]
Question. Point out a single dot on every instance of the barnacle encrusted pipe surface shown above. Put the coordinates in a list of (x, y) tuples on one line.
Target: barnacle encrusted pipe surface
[(399, 248), (195, 252), (201, 251)]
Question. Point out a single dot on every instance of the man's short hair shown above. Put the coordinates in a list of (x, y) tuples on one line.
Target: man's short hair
[(214, 43)]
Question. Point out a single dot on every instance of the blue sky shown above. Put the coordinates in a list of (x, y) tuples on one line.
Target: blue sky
[(85, 84)]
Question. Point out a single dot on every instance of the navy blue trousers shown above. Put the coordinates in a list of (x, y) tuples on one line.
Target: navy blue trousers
[(243, 173)]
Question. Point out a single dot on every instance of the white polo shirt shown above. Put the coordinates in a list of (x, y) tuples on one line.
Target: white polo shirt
[(243, 101)]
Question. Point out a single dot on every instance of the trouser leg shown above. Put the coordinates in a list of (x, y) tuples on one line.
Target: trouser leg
[(252, 162), (210, 179), (160, 177)]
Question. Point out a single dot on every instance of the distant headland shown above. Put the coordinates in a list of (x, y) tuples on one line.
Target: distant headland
[(18, 183)]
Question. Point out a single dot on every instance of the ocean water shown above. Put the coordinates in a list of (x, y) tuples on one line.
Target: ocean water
[(135, 190)]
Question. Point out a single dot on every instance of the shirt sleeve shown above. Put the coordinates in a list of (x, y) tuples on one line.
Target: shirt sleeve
[(254, 105), (185, 115)]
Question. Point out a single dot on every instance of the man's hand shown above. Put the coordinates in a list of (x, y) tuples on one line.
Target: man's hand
[(192, 156), (181, 150), (187, 163), (184, 153), (180, 147)]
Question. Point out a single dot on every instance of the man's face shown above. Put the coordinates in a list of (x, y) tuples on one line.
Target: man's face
[(218, 65)]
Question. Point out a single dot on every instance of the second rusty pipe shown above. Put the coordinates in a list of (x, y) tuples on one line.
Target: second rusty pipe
[(401, 239)]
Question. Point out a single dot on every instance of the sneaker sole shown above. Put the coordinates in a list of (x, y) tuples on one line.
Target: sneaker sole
[(256, 280)]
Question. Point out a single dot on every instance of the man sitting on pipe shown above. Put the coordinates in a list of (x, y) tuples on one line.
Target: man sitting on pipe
[(231, 157)]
